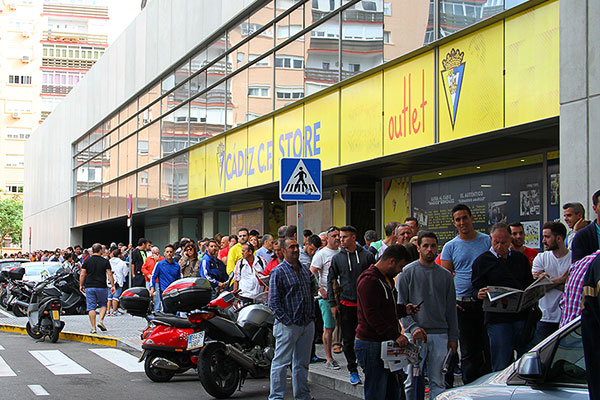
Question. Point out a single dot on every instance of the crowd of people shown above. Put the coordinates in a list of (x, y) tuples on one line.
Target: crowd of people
[(400, 288)]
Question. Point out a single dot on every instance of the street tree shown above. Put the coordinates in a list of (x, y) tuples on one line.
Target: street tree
[(11, 219)]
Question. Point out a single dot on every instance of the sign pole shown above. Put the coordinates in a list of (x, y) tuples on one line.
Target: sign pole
[(300, 221), (130, 225)]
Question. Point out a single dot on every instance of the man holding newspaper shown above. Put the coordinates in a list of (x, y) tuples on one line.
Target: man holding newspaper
[(504, 275)]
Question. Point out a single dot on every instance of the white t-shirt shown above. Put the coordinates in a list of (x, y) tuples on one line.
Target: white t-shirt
[(554, 267), (322, 261), (119, 270), (381, 250), (249, 285)]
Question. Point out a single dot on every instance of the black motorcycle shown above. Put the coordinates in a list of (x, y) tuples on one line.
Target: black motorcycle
[(72, 299), (44, 310), (19, 292)]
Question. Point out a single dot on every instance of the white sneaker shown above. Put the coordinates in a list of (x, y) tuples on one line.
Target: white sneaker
[(332, 364)]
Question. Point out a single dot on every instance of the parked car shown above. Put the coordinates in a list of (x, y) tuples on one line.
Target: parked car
[(554, 369), (38, 270)]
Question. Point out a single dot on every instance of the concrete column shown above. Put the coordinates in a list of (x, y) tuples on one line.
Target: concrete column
[(174, 233), (579, 101), (208, 224)]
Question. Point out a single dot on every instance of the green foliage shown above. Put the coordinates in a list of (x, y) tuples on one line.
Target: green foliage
[(11, 218)]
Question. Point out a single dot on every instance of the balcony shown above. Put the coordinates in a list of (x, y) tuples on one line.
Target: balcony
[(56, 89), (325, 75), (76, 11), (70, 37), (67, 63)]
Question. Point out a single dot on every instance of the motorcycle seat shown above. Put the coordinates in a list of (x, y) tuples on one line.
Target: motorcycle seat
[(174, 321)]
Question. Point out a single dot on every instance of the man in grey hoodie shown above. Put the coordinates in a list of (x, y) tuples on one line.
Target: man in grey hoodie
[(346, 266), (431, 286)]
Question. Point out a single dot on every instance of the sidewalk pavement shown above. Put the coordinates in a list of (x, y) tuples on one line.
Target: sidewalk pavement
[(124, 332)]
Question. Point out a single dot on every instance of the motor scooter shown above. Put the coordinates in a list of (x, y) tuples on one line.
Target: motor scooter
[(72, 299), (44, 311)]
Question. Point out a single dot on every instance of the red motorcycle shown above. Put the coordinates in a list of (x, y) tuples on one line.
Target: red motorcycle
[(166, 350)]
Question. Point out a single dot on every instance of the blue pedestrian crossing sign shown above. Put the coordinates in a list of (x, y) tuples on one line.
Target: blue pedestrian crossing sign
[(300, 179)]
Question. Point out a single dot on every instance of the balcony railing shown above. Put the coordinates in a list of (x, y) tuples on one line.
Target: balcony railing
[(325, 75), (70, 37), (56, 89), (67, 63), (74, 10)]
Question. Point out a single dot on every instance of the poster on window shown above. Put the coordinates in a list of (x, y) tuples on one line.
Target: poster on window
[(532, 233), (530, 200)]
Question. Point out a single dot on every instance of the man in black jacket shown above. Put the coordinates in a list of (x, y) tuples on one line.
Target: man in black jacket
[(346, 267), (585, 241), (138, 256)]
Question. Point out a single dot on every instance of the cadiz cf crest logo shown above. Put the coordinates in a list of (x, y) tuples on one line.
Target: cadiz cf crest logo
[(452, 77), (221, 161)]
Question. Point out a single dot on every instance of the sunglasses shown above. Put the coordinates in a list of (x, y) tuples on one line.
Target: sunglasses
[(333, 228)]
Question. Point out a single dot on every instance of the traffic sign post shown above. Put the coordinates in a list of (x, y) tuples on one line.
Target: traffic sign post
[(130, 226), (300, 181)]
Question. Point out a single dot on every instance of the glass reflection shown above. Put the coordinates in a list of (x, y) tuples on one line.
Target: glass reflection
[(109, 163), (322, 49), (148, 148), (95, 171), (406, 28), (111, 126), (239, 57), (238, 86), (174, 182), (148, 186), (149, 96), (458, 14), (81, 178), (81, 209), (109, 200), (94, 205), (362, 37), (126, 187), (174, 133), (259, 88), (127, 155), (215, 107), (289, 74)]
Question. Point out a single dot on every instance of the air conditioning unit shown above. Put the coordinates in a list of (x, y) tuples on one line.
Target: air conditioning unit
[(26, 59), (12, 6), (26, 34), (16, 115)]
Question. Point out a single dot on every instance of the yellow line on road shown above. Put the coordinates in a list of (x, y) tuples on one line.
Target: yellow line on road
[(72, 336)]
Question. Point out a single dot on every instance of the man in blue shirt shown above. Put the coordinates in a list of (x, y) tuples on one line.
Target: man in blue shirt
[(166, 271), (213, 269), (458, 256), (291, 300)]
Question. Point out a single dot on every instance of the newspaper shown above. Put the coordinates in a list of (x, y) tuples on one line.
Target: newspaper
[(395, 357), (510, 300)]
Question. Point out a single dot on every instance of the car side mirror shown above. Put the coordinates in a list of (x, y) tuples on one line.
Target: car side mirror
[(530, 367)]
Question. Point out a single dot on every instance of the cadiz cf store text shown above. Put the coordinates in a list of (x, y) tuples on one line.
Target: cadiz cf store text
[(469, 118)]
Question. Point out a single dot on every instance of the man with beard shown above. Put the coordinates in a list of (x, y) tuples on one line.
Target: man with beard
[(518, 241), (554, 263)]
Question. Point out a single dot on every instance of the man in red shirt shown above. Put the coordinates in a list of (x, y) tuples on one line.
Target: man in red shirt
[(518, 240), (277, 257), (148, 269)]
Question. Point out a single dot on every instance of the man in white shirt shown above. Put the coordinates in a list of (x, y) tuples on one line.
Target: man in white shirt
[(245, 274), (320, 267), (554, 263), (120, 270)]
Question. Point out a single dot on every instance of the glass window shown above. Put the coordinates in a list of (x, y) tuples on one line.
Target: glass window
[(111, 126), (95, 172), (95, 205), (568, 363), (174, 180), (126, 186), (110, 160), (263, 62), (289, 68), (81, 178), (174, 133), (198, 109), (322, 52), (215, 109), (109, 200), (148, 187), (81, 209), (262, 80), (149, 144), (456, 15), (149, 114), (127, 155), (362, 37), (82, 143)]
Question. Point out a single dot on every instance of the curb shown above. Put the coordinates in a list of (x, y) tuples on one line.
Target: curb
[(72, 336), (337, 384)]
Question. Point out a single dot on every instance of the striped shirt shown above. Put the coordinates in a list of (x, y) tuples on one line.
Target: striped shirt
[(290, 294), (571, 298)]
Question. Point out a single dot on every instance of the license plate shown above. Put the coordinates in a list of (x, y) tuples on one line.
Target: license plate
[(55, 315), (196, 340)]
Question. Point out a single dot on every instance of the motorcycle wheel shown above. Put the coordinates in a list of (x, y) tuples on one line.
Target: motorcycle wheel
[(219, 374), (18, 311), (54, 335), (156, 374), (4, 301), (31, 331)]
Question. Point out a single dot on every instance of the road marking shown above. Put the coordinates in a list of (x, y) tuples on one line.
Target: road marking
[(121, 359), (5, 369), (58, 363), (38, 390), (6, 314), (2, 347)]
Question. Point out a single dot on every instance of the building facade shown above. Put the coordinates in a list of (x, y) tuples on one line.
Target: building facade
[(411, 109)]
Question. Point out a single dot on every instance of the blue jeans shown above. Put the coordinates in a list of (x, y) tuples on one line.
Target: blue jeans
[(157, 299), (380, 383), (505, 338), (432, 353), (292, 346)]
